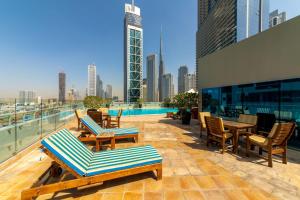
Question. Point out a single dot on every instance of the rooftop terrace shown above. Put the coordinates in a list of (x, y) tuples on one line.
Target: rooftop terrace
[(190, 170)]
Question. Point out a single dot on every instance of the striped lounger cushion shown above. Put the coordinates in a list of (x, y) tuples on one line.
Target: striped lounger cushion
[(78, 157), (93, 126)]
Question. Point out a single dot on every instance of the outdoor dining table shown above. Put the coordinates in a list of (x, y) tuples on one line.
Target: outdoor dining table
[(235, 127)]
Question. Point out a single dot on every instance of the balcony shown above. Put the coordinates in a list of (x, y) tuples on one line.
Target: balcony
[(191, 170)]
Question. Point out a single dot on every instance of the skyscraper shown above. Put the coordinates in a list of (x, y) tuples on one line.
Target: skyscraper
[(108, 92), (182, 71), (161, 71), (133, 54), (276, 18), (152, 79), (99, 86), (168, 86), (27, 97), (92, 80), (189, 82), (62, 87), (221, 23)]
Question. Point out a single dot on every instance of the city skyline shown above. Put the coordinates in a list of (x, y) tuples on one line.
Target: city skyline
[(34, 62)]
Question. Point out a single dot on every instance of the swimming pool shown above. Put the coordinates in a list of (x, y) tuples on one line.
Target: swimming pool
[(143, 111)]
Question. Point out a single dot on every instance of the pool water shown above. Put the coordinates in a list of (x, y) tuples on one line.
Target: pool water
[(141, 111)]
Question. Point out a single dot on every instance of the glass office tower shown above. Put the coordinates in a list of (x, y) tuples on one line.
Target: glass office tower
[(133, 54), (221, 23)]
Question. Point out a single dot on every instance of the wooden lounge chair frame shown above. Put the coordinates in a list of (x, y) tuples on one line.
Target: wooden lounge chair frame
[(276, 144), (89, 135), (79, 124), (80, 181)]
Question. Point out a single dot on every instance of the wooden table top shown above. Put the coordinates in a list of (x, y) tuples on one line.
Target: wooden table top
[(236, 125)]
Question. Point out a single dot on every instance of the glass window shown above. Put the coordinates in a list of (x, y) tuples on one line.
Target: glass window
[(138, 42), (132, 41), (138, 34), (132, 32), (132, 58), (132, 50), (138, 59)]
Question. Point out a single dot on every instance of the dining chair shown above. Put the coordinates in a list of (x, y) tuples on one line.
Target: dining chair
[(115, 122), (201, 118), (274, 143), (216, 132)]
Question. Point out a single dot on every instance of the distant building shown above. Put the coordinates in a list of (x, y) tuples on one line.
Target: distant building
[(276, 18), (99, 86), (92, 80), (182, 71), (108, 92), (133, 53), (115, 98), (73, 95), (168, 86), (190, 82), (161, 71), (62, 87), (27, 97), (152, 79), (145, 90)]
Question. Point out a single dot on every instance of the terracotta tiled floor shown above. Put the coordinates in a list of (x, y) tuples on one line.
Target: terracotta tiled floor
[(190, 171)]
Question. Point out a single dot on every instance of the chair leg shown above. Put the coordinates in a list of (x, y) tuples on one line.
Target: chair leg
[(247, 147), (284, 159), (200, 131), (260, 151), (159, 174), (270, 164), (207, 141), (223, 146)]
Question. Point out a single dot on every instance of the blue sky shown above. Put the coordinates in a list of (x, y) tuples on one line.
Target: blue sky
[(39, 38)]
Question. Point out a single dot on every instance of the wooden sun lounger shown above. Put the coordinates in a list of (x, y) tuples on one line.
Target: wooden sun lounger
[(80, 180), (90, 135)]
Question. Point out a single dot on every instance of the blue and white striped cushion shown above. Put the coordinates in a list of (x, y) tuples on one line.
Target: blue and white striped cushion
[(70, 150), (119, 159), (93, 126), (78, 157)]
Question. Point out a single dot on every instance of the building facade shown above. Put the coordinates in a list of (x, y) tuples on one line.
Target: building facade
[(152, 78), (190, 82), (168, 86), (161, 71), (133, 54), (27, 97), (62, 87), (92, 83), (182, 71), (276, 18), (253, 77), (108, 92), (222, 23), (99, 86)]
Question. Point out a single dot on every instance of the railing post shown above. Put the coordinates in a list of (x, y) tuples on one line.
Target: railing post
[(41, 109), (16, 129)]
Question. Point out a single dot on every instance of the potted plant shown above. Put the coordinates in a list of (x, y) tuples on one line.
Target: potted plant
[(185, 102), (140, 102), (92, 103)]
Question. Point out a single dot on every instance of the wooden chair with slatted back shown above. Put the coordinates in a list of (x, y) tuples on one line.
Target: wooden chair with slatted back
[(275, 143), (216, 131), (201, 118), (116, 122)]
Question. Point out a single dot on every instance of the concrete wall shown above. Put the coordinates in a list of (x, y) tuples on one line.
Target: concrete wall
[(270, 55)]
